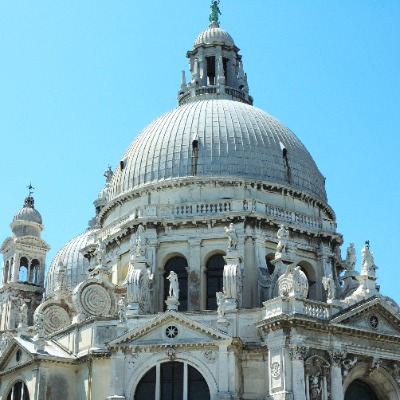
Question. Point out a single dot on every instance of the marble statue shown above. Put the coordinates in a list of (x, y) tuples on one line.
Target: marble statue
[(214, 12), (368, 266), (122, 311), (140, 241), (221, 303), (315, 388), (283, 236), (23, 314), (39, 323), (232, 237), (329, 286), (61, 276), (100, 253), (173, 285), (351, 257), (108, 174)]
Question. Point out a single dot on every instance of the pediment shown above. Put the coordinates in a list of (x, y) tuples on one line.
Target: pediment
[(8, 242), (373, 315), (171, 329), (12, 354)]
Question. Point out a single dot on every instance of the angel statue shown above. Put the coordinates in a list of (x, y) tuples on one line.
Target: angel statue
[(215, 11)]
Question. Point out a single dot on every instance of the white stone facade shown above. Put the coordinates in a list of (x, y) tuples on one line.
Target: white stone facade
[(227, 203)]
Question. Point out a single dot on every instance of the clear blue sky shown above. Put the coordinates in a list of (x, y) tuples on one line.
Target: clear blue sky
[(80, 79)]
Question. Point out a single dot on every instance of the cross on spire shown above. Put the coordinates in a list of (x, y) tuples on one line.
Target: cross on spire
[(30, 188)]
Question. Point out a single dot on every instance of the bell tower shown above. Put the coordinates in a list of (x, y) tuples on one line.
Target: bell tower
[(24, 255)]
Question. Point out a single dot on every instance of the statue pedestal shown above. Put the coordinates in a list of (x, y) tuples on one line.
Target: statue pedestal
[(133, 309), (172, 303), (223, 324), (368, 283), (333, 301), (232, 280), (281, 261)]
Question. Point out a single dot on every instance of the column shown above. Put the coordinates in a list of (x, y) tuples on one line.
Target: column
[(223, 370), (117, 378), (336, 374), (297, 355), (16, 268)]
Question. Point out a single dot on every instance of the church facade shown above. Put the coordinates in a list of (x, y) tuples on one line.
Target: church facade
[(212, 269)]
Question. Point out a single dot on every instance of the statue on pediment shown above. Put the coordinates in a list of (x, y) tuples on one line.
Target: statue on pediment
[(351, 258)]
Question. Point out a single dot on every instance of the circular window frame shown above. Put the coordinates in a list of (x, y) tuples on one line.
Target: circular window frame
[(171, 332), (373, 325)]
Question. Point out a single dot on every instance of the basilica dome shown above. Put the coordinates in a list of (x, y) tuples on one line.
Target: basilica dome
[(218, 138), (71, 257)]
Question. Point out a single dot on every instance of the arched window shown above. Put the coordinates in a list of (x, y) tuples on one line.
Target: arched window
[(359, 390), (23, 269), (19, 391), (174, 380), (34, 269), (179, 266), (215, 273), (270, 266), (308, 269)]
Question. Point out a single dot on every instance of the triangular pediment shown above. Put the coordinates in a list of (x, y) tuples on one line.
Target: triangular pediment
[(171, 329), (12, 354), (374, 315)]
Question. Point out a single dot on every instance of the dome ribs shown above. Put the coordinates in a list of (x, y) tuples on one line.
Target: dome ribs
[(233, 140)]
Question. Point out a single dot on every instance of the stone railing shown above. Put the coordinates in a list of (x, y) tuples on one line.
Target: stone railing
[(316, 310), (228, 206), (220, 208), (295, 305)]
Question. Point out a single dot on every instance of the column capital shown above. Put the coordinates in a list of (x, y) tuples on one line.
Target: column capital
[(337, 356), (298, 352)]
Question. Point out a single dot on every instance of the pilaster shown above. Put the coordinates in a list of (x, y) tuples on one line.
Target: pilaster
[(194, 274)]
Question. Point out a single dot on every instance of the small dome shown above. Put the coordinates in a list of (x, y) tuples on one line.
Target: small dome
[(214, 34), (76, 265), (28, 212)]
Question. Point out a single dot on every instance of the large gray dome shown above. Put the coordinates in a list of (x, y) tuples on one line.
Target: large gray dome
[(73, 260), (234, 140)]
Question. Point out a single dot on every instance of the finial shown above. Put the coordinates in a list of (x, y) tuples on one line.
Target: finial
[(29, 201), (215, 11), (30, 188)]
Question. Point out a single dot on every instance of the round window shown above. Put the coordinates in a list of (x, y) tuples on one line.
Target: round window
[(171, 332)]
